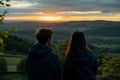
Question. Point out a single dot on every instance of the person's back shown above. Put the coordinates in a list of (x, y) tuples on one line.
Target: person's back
[(80, 67), (80, 64), (42, 63)]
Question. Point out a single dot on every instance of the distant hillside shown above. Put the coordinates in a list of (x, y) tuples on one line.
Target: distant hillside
[(103, 34), (66, 28), (63, 30), (113, 30), (62, 25)]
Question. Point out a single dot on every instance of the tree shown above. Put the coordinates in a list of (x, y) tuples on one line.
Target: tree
[(22, 45), (110, 65), (1, 46), (3, 65), (4, 33), (3, 3), (60, 49)]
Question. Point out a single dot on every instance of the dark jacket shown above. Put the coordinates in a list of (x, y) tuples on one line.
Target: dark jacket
[(43, 64), (81, 66)]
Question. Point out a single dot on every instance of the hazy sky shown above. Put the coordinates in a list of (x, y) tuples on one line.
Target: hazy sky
[(65, 9)]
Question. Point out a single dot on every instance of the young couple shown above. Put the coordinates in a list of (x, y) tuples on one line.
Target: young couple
[(43, 63)]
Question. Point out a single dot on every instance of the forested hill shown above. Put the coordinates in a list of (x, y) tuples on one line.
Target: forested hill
[(112, 30), (64, 25), (89, 27), (102, 34)]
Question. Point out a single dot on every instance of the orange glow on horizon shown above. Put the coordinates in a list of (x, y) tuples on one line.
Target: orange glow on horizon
[(57, 18), (50, 18)]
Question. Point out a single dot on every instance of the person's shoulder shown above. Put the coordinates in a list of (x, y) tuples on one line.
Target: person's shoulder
[(33, 48), (53, 54), (92, 55)]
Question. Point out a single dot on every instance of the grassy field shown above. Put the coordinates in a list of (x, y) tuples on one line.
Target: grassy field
[(23, 76), (13, 76), (12, 62)]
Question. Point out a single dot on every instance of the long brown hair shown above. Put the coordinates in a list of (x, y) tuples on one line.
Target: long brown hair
[(77, 43)]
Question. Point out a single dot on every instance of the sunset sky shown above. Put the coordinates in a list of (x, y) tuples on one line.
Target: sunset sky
[(63, 10)]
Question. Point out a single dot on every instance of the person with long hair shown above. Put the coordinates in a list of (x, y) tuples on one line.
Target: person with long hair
[(80, 63)]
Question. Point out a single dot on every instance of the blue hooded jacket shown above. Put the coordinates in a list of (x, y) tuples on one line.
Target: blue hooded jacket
[(81, 66), (43, 64)]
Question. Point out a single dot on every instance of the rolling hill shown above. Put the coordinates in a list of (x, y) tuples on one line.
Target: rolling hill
[(103, 34)]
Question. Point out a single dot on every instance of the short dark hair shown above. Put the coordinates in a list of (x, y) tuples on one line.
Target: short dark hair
[(42, 35)]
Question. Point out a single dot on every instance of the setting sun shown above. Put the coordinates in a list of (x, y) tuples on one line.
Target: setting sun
[(51, 18)]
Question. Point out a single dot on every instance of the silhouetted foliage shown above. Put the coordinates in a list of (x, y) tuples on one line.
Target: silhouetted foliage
[(60, 50), (3, 65), (3, 33), (19, 45), (21, 67), (110, 65)]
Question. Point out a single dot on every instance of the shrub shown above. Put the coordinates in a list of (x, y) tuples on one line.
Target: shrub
[(21, 67), (3, 65), (110, 65)]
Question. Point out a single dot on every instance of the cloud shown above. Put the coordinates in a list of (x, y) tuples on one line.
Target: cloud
[(79, 12), (21, 4), (78, 5), (25, 14), (17, 4), (72, 7)]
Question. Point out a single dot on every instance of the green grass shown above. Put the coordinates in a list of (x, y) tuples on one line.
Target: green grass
[(13, 76), (1, 53), (12, 68), (12, 62), (23, 76)]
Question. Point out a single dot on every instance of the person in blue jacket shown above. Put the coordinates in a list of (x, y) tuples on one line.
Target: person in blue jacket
[(80, 63), (42, 63)]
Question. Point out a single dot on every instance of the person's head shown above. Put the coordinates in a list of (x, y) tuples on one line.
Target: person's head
[(44, 36), (77, 43)]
